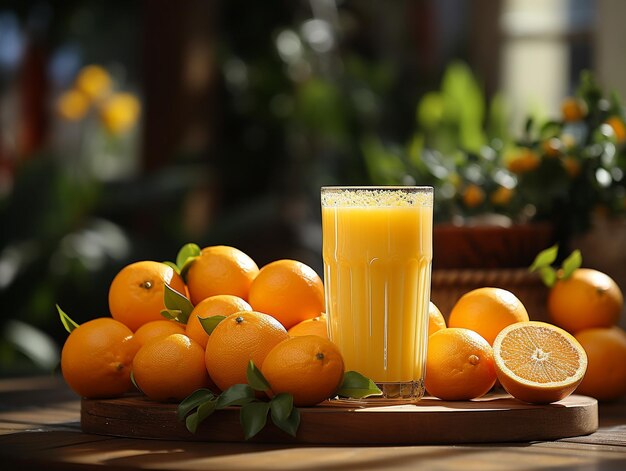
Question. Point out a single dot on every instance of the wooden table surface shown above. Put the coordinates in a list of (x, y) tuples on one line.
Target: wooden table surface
[(40, 429)]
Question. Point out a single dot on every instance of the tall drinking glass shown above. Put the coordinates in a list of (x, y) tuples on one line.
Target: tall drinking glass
[(377, 250)]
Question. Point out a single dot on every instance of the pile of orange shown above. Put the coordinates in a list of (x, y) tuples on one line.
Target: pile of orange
[(588, 305), (168, 360), (274, 316), (490, 338)]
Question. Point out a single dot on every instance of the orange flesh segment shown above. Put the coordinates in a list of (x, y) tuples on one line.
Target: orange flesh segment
[(555, 361)]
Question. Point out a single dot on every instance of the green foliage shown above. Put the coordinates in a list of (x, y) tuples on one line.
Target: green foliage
[(178, 306), (357, 386), (66, 320), (559, 169), (200, 404), (253, 413), (255, 378), (549, 275), (210, 323), (571, 264), (186, 256)]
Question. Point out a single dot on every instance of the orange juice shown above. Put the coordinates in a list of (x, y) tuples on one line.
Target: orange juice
[(377, 250)]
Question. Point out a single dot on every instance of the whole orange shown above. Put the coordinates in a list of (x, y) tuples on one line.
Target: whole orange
[(606, 369), (436, 320), (315, 326), (218, 305), (136, 292), (220, 269), (309, 367), (157, 329), (241, 337), (170, 368), (97, 356), (288, 290), (459, 366), (588, 298), (487, 311)]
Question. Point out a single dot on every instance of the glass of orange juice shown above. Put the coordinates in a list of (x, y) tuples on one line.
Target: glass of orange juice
[(377, 251)]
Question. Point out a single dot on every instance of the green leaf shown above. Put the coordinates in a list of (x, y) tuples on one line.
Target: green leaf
[(172, 265), (210, 323), (66, 320), (357, 386), (255, 378), (281, 405), (195, 419), (571, 264), (206, 409), (290, 424), (186, 255), (548, 276), (195, 399), (186, 252), (172, 315), (253, 417), (175, 301), (191, 422), (132, 380), (545, 258), (236, 395)]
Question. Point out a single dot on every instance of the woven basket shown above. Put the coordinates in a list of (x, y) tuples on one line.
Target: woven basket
[(449, 285)]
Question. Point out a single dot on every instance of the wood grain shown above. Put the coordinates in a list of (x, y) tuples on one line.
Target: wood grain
[(492, 419)]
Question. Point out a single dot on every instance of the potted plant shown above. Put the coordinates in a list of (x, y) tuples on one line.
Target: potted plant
[(499, 199)]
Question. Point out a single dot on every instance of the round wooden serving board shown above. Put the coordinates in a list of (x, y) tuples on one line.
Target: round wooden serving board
[(494, 418)]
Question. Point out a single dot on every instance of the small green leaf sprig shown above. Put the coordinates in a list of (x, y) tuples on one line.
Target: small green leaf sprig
[(66, 320), (200, 404), (177, 305), (549, 275), (185, 257)]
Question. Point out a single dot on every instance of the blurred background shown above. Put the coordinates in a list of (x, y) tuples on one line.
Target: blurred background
[(130, 128)]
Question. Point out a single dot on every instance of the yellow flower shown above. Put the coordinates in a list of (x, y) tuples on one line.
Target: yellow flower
[(120, 112), (473, 196), (94, 81), (525, 160), (501, 196), (571, 166), (72, 105)]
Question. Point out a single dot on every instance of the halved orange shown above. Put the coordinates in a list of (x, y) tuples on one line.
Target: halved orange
[(538, 362)]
